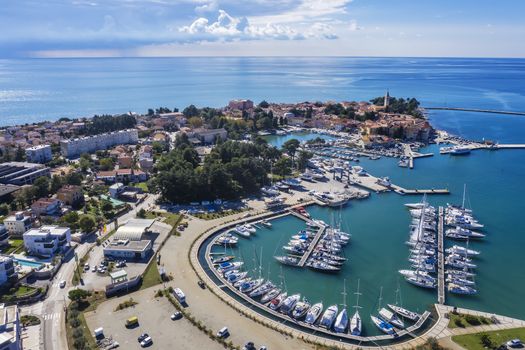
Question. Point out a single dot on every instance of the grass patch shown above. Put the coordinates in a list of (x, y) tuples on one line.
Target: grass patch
[(143, 186), (457, 320), (171, 219), (219, 214), (29, 320), (125, 304), (151, 276), (484, 340), (15, 246), (78, 334), (105, 237), (24, 290)]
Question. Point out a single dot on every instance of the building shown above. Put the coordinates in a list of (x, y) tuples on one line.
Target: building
[(125, 161), (22, 173), (10, 330), (241, 105), (75, 147), (17, 224), (46, 206), (122, 175), (39, 154), (386, 101), (208, 136), (116, 189), (47, 240), (6, 192), (70, 195), (130, 241), (4, 235), (7, 270)]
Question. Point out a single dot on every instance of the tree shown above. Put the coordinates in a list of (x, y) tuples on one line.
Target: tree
[(291, 147), (56, 183), (283, 166), (4, 209), (106, 206), (70, 218), (41, 187), (264, 104), (190, 111), (106, 164), (264, 123), (195, 122), (86, 223), (74, 178), (19, 154), (141, 213), (84, 164), (78, 294), (302, 159)]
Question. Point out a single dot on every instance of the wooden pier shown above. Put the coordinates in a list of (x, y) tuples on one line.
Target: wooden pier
[(401, 190), (441, 259)]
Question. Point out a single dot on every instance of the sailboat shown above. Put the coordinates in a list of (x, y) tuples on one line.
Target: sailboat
[(413, 316), (341, 322), (355, 322), (384, 326)]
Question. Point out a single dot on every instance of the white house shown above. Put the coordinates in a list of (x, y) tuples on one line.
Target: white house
[(17, 224), (39, 154), (47, 240)]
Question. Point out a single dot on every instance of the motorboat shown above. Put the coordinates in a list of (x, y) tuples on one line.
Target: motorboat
[(322, 266), (270, 191), (289, 303), (460, 273), (462, 233), (227, 266), (328, 318), (422, 281), (314, 313), (460, 289), (266, 223), (404, 312), (251, 285), (226, 240), (241, 281), (300, 310), (222, 259), (461, 281), (459, 250), (241, 231), (392, 318), (287, 260), (276, 303), (234, 277), (250, 228), (385, 327), (272, 294)]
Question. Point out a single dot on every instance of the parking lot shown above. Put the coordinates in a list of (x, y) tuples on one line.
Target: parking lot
[(97, 281), (154, 319)]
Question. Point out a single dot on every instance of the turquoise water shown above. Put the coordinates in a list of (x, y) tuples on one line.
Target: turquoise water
[(379, 226), (28, 263), (279, 140)]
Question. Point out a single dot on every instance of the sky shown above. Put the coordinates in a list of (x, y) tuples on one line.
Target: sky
[(114, 28)]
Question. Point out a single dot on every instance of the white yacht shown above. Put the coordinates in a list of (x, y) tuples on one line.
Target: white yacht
[(313, 314), (391, 318), (404, 312), (355, 321), (328, 318)]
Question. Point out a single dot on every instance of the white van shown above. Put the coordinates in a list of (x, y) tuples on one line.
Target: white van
[(223, 332), (179, 295)]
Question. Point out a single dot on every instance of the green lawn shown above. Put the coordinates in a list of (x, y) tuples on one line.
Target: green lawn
[(24, 290), (171, 219), (143, 186), (15, 245), (220, 214), (461, 320), (496, 338), (151, 276)]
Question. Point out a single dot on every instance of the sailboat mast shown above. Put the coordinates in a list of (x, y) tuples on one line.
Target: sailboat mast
[(464, 193), (356, 306), (380, 299), (344, 293)]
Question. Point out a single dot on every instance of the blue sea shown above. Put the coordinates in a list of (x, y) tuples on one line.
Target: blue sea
[(46, 89)]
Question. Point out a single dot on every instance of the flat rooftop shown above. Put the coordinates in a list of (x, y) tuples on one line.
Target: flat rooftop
[(129, 246)]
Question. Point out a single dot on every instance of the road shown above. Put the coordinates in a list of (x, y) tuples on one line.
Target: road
[(51, 309)]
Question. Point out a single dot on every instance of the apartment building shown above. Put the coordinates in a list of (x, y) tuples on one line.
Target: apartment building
[(39, 154), (75, 147), (17, 224), (70, 194), (10, 330), (47, 240)]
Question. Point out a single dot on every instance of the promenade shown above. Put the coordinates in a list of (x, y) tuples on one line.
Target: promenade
[(441, 259)]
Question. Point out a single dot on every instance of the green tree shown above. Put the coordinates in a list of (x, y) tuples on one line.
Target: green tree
[(106, 206), (20, 155), (70, 218), (283, 166), (56, 183), (195, 122), (190, 111), (141, 213), (41, 187), (264, 104), (264, 123), (4, 209), (78, 294), (291, 147), (106, 164), (86, 223), (302, 159)]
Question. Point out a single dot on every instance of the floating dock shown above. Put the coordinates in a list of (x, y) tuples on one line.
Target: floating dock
[(441, 259), (312, 246)]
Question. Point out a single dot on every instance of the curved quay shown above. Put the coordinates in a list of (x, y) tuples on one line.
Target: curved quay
[(201, 263)]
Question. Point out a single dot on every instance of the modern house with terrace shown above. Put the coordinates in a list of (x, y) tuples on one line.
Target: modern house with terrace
[(47, 240)]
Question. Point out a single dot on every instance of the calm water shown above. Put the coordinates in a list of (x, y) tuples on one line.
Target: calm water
[(39, 89), (34, 90)]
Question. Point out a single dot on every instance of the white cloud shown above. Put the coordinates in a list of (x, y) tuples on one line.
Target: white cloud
[(353, 26)]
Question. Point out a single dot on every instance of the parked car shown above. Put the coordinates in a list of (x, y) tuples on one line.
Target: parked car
[(223, 332), (94, 269), (176, 316), (142, 337), (86, 267), (146, 342), (249, 346), (62, 284), (201, 284)]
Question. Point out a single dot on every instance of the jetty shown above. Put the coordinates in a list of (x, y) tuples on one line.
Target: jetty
[(477, 110), (312, 246), (441, 259)]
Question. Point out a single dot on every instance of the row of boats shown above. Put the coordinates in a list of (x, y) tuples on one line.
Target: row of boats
[(323, 254), (332, 319), (459, 266)]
